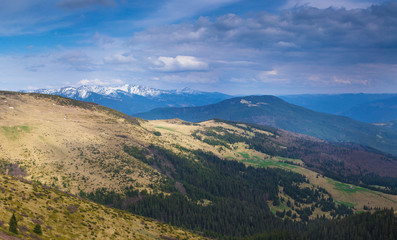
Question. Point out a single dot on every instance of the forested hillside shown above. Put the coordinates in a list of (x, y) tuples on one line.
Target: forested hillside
[(272, 111)]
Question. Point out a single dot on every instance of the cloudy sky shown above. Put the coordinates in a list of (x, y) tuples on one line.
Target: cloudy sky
[(230, 46)]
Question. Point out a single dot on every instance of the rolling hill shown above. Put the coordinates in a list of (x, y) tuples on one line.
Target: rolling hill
[(220, 178), (270, 110)]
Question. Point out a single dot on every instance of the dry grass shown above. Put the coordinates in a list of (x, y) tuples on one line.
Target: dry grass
[(63, 216), (71, 148)]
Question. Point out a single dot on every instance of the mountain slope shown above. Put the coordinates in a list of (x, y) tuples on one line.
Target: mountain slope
[(345, 105), (270, 110), (71, 145), (242, 141), (388, 125), (131, 99), (62, 216)]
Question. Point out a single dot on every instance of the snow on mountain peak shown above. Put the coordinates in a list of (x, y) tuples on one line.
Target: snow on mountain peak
[(144, 91), (85, 91), (132, 99), (187, 90)]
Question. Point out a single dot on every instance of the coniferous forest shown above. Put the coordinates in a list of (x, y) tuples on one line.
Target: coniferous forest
[(226, 199)]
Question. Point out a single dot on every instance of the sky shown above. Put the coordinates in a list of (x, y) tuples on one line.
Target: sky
[(232, 46)]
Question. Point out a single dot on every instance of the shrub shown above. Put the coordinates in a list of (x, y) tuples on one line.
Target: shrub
[(37, 229), (13, 224)]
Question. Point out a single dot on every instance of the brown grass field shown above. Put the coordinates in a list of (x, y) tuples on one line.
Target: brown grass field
[(63, 216)]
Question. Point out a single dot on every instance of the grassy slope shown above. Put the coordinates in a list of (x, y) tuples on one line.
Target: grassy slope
[(63, 216), (71, 148)]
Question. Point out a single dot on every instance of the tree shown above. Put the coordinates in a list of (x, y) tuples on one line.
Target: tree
[(37, 229), (13, 224)]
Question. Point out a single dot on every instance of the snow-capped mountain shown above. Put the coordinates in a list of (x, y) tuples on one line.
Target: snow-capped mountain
[(132, 99), (86, 90)]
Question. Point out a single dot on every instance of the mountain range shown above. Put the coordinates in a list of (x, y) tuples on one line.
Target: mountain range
[(136, 100), (131, 99), (383, 110), (273, 111), (371, 108)]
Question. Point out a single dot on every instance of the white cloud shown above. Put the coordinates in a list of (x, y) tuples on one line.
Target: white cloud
[(243, 80), (347, 4), (100, 82), (271, 76), (341, 80), (19, 17), (191, 78), (286, 44), (306, 45), (32, 88), (175, 10), (119, 59), (104, 41), (74, 57), (75, 4), (77, 60), (34, 67), (179, 64), (346, 81), (271, 73)]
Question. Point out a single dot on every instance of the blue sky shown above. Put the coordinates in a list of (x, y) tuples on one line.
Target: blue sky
[(230, 46)]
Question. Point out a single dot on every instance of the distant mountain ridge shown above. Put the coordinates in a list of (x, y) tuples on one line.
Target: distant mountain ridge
[(383, 110), (364, 107), (273, 111), (132, 99), (85, 91)]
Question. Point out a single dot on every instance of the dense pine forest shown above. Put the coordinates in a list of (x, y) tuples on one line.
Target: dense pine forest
[(381, 224), (227, 199), (331, 159)]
